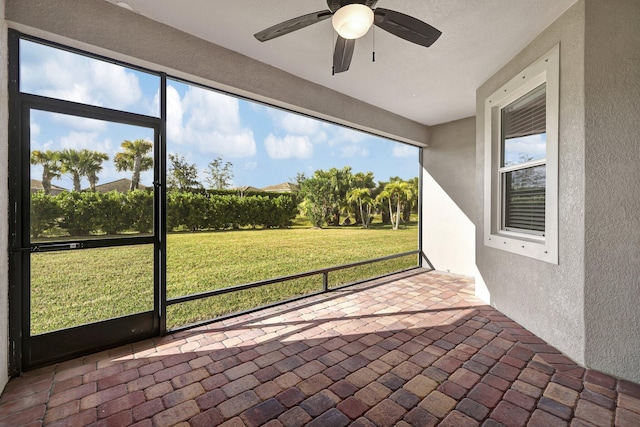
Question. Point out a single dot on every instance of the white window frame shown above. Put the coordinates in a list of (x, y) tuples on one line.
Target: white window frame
[(544, 247)]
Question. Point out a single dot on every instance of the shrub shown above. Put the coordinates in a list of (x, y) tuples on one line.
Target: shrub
[(138, 211), (80, 212), (44, 213), (112, 212), (187, 209)]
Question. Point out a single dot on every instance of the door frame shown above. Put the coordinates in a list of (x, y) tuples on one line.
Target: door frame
[(27, 352)]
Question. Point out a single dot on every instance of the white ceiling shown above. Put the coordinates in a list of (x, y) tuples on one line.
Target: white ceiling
[(429, 85)]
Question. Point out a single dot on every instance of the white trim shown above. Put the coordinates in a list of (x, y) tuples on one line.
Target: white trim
[(544, 248)]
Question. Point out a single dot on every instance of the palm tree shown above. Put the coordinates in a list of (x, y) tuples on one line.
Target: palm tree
[(92, 161), (71, 163), (380, 198), (400, 192), (82, 163), (134, 159), (362, 196), (413, 201), (50, 161)]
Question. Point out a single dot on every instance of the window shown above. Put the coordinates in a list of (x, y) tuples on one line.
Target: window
[(521, 162)]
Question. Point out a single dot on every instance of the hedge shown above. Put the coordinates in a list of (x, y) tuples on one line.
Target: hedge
[(85, 213)]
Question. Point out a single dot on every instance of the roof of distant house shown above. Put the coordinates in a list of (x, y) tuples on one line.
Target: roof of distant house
[(121, 185), (285, 187), (36, 185)]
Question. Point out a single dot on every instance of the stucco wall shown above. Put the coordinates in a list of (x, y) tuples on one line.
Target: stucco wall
[(612, 210), (451, 160), (104, 28), (545, 298), (448, 206), (4, 204)]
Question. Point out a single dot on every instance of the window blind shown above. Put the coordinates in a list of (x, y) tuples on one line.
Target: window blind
[(526, 116), (525, 200)]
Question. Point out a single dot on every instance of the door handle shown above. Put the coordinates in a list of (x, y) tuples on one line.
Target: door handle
[(56, 247)]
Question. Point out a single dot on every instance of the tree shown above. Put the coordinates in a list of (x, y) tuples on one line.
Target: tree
[(318, 199), (398, 192), (362, 196), (70, 161), (92, 161), (341, 181), (134, 158), (182, 175), (82, 163), (299, 179), (219, 174), (338, 182), (412, 207), (50, 161), (361, 180), (380, 198)]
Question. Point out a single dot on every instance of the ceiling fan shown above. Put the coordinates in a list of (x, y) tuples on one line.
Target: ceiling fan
[(352, 19)]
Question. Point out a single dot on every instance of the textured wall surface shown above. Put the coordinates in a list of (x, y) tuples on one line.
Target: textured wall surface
[(612, 211), (4, 204), (451, 160), (448, 206), (545, 298), (104, 28)]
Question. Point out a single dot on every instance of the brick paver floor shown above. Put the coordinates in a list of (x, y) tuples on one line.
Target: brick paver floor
[(416, 350)]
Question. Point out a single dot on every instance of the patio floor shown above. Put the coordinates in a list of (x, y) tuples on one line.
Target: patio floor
[(415, 350)]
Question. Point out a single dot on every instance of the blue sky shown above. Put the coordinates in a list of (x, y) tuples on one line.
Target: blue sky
[(266, 146), (526, 148)]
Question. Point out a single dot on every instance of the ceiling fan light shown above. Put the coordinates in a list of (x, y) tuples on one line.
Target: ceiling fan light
[(352, 21)]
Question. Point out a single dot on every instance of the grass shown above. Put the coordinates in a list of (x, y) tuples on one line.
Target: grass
[(77, 287)]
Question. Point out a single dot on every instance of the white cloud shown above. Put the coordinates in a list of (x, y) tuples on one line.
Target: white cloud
[(154, 107), (294, 123), (353, 150), (341, 135), (34, 129), (303, 133), (208, 120), (404, 150), (175, 114), (297, 125), (89, 140), (250, 165), (209, 109), (291, 146), (80, 123), (114, 84), (65, 75)]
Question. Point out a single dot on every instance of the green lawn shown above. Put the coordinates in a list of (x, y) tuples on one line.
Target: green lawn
[(77, 287)]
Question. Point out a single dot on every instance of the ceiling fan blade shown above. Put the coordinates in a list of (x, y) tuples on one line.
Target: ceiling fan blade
[(291, 25), (342, 54), (406, 27)]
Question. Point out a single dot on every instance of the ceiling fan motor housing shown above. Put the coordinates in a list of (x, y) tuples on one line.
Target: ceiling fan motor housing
[(337, 4)]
